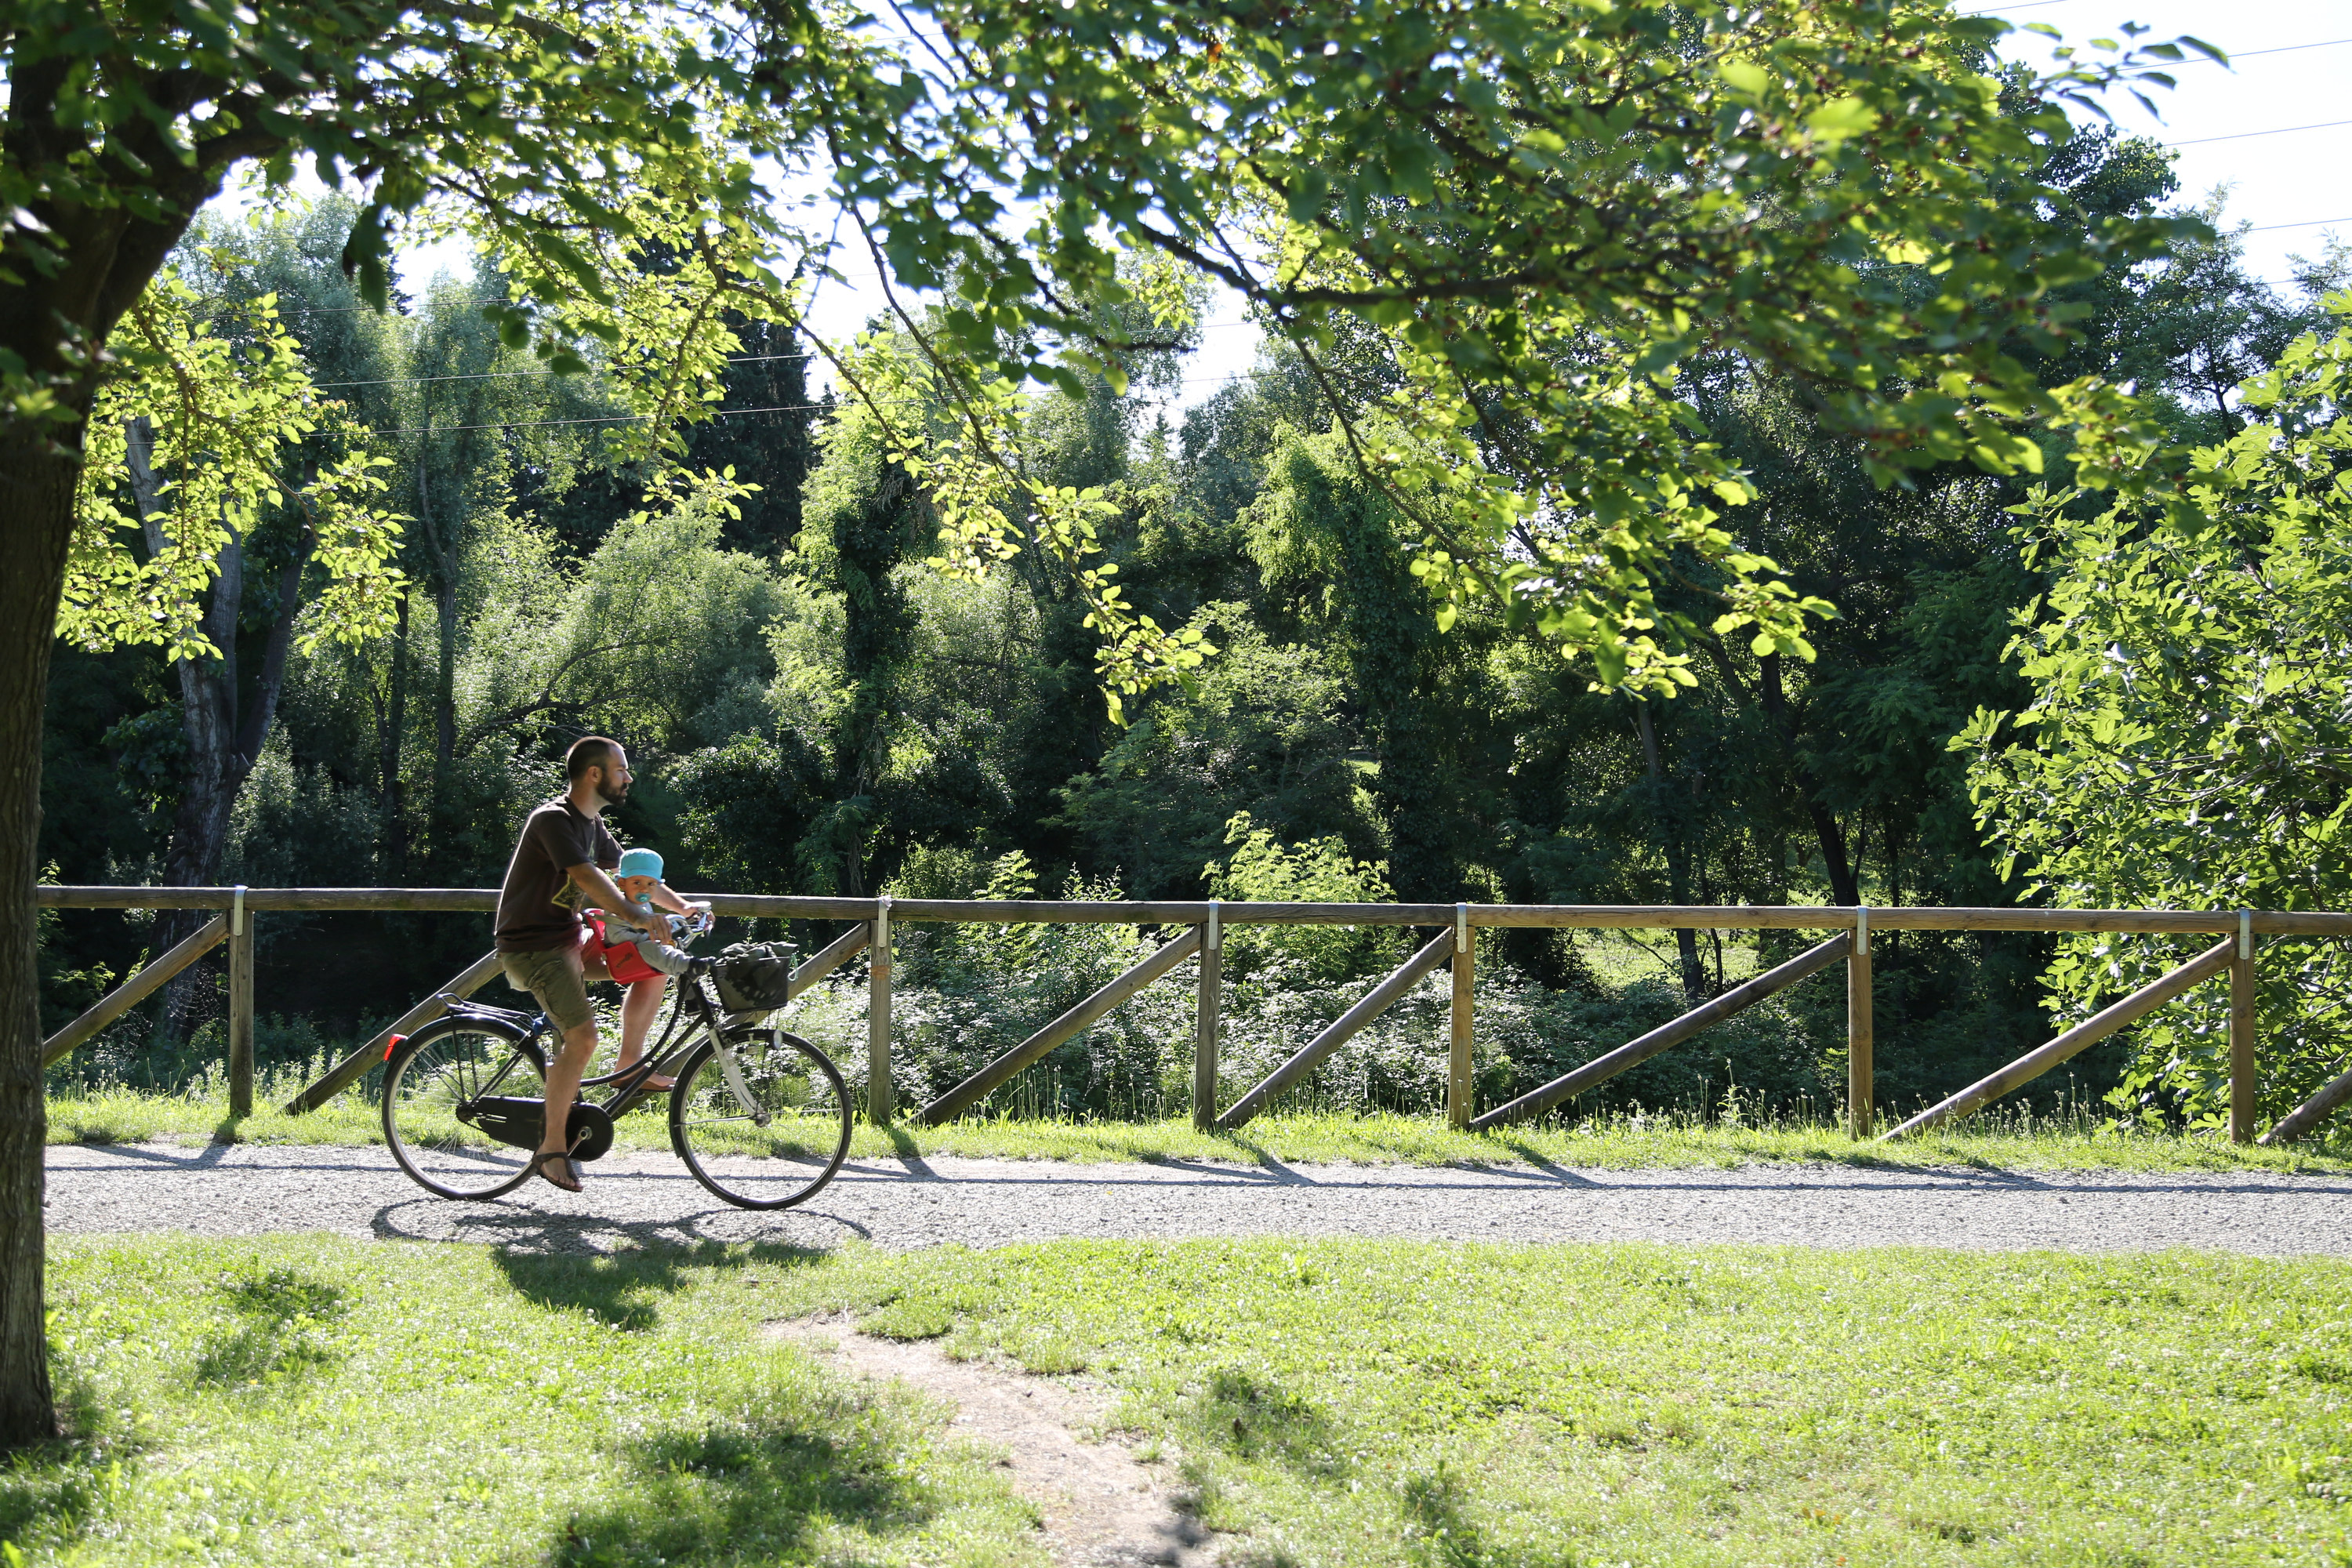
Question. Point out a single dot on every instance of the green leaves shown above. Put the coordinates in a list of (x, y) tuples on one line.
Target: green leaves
[(195, 448), (1546, 211), (2191, 744), (1841, 119)]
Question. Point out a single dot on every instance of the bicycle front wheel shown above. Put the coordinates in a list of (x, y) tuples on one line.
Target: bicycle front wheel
[(771, 1133), (454, 1100)]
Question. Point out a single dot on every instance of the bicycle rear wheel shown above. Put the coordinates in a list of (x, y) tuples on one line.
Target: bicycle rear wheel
[(449, 1094), (772, 1134)]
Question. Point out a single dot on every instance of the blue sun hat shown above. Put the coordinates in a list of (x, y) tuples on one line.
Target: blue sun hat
[(640, 863)]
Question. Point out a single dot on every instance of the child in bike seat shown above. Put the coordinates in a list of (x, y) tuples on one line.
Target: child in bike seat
[(632, 958)]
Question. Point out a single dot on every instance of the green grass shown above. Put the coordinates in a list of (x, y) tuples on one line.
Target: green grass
[(1995, 1140), (314, 1401), (310, 1400)]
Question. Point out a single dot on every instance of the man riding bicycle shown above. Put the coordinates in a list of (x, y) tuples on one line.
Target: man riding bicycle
[(563, 862)]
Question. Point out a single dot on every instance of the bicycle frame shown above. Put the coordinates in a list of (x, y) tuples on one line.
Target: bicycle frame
[(693, 1007), (768, 1078)]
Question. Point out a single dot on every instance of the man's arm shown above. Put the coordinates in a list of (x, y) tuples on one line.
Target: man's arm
[(603, 894)]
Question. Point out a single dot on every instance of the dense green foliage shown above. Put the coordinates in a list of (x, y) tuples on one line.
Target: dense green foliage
[(948, 636), (822, 712), (2192, 718), (301, 1400)]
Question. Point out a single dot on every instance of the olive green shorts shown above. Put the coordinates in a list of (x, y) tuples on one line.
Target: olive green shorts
[(553, 975)]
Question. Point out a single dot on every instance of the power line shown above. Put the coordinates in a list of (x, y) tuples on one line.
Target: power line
[(2308, 223), (2281, 49), (2279, 130)]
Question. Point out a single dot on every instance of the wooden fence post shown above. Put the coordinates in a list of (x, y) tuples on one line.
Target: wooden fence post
[(2242, 1081), (879, 1103), (1458, 1109), (1204, 1037), (1859, 1094), (240, 1007)]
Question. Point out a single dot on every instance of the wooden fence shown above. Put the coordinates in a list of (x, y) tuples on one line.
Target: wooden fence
[(1202, 936)]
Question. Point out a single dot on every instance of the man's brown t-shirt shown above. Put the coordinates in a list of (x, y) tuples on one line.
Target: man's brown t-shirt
[(537, 904)]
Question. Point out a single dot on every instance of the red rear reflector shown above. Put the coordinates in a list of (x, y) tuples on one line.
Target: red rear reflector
[(392, 1047)]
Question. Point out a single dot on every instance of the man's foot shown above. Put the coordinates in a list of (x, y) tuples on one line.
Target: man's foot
[(654, 1084), (558, 1168)]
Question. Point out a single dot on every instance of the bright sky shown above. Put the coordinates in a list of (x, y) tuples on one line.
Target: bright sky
[(2260, 127), (2238, 125)]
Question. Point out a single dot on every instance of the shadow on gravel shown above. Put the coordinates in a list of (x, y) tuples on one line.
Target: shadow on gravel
[(505, 1224)]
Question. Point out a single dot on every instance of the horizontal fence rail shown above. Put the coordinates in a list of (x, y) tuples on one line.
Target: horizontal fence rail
[(1041, 911), (1453, 926)]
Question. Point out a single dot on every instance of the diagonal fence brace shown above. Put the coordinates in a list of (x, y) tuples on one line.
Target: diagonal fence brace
[(976, 1087), (133, 990), (476, 976), (353, 1067), (830, 957), (1336, 1034), (1667, 1036), (2307, 1116), (2083, 1036)]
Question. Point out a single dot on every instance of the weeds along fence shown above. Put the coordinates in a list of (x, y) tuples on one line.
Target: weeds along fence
[(1199, 928)]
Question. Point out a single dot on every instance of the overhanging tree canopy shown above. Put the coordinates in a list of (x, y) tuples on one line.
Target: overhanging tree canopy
[(1545, 207)]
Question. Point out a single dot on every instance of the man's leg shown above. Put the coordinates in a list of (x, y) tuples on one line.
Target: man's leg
[(563, 1076), (562, 987), (640, 1005)]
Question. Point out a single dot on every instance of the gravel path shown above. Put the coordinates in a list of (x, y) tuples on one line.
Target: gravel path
[(250, 1189)]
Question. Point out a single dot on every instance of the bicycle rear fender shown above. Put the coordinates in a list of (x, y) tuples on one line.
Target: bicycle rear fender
[(508, 1026)]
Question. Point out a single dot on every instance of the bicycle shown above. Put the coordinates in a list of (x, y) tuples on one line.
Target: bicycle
[(760, 1116)]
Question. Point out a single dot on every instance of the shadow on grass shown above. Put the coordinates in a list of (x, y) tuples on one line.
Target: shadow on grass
[(624, 1288), (1255, 1418), (911, 1153), (1265, 1159), (1443, 1534), (763, 1492), (282, 1330), (55, 1491)]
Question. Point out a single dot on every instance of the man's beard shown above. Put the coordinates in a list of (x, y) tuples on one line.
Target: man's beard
[(609, 795)]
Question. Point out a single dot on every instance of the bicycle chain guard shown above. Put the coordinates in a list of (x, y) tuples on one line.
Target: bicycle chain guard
[(517, 1122)]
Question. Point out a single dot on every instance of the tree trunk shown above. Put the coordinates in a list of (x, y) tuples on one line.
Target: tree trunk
[(223, 735), (1844, 889), (1677, 854), (207, 724), (392, 796), (36, 513), (442, 545)]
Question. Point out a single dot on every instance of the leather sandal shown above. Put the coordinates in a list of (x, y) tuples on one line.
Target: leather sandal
[(565, 1175)]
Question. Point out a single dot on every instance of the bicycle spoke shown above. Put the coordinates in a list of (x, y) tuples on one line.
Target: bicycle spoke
[(442, 1110), (787, 1145)]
